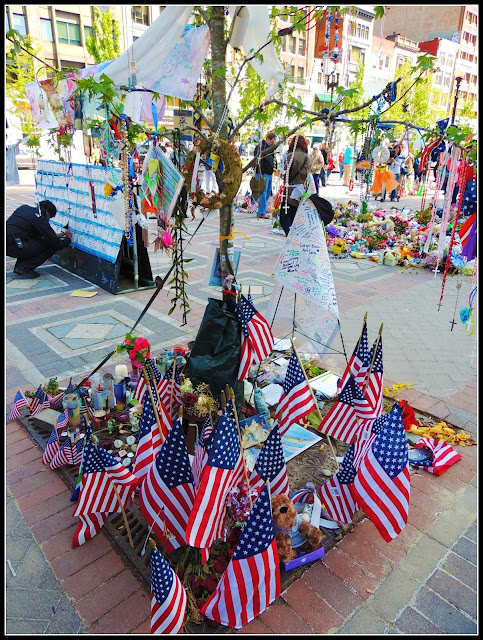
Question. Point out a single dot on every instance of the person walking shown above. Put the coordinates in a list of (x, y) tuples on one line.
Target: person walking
[(31, 239), (299, 164), (317, 165), (340, 160), (348, 161), (330, 165), (265, 168)]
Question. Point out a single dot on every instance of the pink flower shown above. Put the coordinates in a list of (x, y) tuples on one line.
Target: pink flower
[(141, 343)]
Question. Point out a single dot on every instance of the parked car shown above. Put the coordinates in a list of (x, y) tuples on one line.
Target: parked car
[(26, 156)]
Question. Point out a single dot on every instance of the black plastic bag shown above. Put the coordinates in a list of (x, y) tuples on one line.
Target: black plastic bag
[(324, 208), (215, 356)]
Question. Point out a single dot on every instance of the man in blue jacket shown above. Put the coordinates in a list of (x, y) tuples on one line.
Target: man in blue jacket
[(31, 239), (265, 169)]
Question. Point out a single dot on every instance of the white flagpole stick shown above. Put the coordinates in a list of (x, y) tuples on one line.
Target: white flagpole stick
[(316, 405), (366, 382), (231, 394), (148, 386)]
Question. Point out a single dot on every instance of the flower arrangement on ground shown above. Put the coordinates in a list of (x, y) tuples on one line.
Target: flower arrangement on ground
[(138, 349)]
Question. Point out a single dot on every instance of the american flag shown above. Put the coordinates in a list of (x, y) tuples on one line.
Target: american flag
[(336, 493), (347, 415), (165, 387), (140, 389), (259, 330), (251, 581), (149, 440), (167, 494), (443, 456), (54, 401), (207, 519), (357, 366), (51, 448), (246, 352), (168, 597), (251, 206), (382, 486), (62, 420), (366, 437), (374, 384), (100, 474), (68, 453), (296, 400), (270, 466), (40, 401), (202, 450), (18, 402)]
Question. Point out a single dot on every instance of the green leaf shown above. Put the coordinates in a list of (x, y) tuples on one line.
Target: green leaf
[(219, 72), (379, 12)]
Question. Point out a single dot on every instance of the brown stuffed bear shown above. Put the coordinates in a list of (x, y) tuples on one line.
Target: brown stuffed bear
[(291, 532)]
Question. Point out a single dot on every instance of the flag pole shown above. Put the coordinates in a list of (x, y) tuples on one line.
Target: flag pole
[(231, 394), (315, 402), (28, 404), (155, 385), (366, 382), (148, 386), (123, 515), (172, 385)]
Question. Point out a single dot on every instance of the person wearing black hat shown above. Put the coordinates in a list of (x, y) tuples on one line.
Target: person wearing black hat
[(31, 239)]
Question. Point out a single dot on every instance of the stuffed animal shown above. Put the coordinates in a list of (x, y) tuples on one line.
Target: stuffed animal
[(291, 531)]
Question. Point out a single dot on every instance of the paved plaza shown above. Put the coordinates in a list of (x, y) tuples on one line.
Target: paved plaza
[(424, 582)]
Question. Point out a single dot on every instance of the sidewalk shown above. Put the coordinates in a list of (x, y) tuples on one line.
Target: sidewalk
[(422, 582)]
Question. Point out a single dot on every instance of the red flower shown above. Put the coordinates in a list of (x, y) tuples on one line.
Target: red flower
[(220, 564), (200, 603), (209, 583)]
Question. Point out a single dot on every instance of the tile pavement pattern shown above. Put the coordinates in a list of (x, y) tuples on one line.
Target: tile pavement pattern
[(422, 582)]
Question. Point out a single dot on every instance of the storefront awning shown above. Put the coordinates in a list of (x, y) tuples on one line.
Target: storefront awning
[(323, 97)]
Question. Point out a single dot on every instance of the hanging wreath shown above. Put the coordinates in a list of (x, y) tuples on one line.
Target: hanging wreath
[(232, 173)]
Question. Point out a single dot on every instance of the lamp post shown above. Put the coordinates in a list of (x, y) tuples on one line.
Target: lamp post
[(458, 82), (332, 81)]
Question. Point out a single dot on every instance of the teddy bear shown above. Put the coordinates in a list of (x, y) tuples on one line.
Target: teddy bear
[(291, 531)]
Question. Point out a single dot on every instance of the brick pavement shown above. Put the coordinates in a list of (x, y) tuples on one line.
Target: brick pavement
[(422, 582)]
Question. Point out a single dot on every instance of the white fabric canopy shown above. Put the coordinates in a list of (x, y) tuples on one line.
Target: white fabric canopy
[(152, 48)]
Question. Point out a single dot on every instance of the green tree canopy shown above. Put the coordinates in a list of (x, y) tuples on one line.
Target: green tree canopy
[(104, 44)]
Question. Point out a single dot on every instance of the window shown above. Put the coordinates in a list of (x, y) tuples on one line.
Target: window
[(69, 33), (381, 62), (291, 73), (46, 29), (291, 44), (19, 23), (450, 60), (301, 46), (67, 64), (442, 58), (446, 80), (300, 75), (319, 77), (358, 30), (140, 15), (387, 60), (88, 32)]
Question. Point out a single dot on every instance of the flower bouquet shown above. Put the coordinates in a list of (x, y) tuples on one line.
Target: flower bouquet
[(138, 349)]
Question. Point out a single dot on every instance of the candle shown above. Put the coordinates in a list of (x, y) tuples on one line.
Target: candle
[(121, 371)]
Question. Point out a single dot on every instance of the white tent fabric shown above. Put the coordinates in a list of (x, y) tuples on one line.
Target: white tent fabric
[(257, 33), (152, 48)]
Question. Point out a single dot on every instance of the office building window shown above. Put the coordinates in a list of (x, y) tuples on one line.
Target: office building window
[(88, 32), (300, 75), (291, 44), (46, 29), (140, 15), (19, 23), (291, 73), (301, 46), (69, 33)]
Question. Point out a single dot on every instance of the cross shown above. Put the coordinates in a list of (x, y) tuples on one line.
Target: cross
[(472, 356), (452, 323), (436, 270)]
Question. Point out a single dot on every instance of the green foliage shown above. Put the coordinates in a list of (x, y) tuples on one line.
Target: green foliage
[(104, 44), (180, 279), (19, 72)]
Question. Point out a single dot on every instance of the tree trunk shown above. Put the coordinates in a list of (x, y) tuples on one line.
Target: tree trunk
[(218, 52)]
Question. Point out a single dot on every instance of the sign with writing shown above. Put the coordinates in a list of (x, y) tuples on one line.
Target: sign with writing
[(183, 118)]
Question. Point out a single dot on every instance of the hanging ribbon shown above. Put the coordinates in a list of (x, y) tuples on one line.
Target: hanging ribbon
[(231, 236), (155, 117)]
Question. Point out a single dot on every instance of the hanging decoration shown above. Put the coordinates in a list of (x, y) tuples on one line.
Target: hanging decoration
[(127, 186), (231, 174)]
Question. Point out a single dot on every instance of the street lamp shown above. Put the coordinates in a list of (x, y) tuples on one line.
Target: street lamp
[(458, 81)]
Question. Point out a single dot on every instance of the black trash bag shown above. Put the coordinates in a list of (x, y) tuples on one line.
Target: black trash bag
[(215, 356), (324, 208)]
